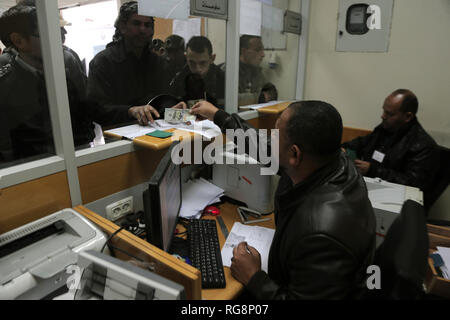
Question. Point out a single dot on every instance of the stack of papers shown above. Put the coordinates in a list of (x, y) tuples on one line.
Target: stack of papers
[(198, 194), (132, 131), (259, 238), (205, 128), (445, 255), (262, 105)]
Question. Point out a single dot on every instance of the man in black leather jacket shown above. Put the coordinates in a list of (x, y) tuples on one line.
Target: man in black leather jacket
[(398, 150), (325, 225)]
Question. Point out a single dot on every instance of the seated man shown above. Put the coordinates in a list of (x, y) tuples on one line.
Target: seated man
[(398, 150), (200, 78), (26, 129), (325, 226), (252, 81), (125, 76)]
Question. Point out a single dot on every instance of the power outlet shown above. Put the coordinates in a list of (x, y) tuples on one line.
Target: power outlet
[(119, 209)]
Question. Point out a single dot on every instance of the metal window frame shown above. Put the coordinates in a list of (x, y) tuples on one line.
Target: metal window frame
[(66, 158)]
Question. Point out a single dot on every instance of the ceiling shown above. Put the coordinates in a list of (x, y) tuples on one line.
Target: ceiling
[(5, 4)]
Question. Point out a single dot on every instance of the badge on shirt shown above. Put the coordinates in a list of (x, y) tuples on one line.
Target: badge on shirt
[(378, 156)]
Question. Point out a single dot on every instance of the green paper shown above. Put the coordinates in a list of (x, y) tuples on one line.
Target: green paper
[(160, 134)]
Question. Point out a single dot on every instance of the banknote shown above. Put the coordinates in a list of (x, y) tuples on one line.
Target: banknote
[(178, 116)]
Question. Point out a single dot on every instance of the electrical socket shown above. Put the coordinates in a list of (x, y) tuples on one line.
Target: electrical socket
[(119, 209)]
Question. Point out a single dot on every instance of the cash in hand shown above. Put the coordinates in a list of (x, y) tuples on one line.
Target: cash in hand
[(178, 116)]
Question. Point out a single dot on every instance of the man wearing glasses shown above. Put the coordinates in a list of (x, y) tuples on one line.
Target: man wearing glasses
[(125, 76)]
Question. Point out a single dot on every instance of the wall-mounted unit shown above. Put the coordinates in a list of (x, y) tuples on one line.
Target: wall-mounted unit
[(217, 9), (364, 26)]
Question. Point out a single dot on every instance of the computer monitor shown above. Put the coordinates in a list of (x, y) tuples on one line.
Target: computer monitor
[(162, 202)]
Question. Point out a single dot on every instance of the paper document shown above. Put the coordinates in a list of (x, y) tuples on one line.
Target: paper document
[(388, 195), (258, 237), (198, 194), (132, 131), (262, 105), (444, 252)]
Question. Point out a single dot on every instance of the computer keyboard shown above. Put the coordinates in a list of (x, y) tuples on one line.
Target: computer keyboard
[(204, 251)]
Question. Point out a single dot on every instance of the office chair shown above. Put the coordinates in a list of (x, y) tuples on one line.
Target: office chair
[(403, 256), (441, 180)]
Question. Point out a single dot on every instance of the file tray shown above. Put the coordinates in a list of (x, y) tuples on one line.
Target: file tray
[(435, 284)]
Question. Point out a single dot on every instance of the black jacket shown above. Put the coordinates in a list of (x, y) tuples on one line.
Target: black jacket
[(325, 233), (119, 80), (213, 85), (410, 155), (25, 125)]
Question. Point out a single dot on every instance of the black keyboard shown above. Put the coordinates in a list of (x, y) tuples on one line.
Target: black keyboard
[(204, 252)]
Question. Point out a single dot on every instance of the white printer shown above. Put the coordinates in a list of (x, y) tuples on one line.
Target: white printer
[(244, 182), (34, 258), (387, 200)]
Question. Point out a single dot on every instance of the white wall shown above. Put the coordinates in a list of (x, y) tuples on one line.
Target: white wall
[(357, 83)]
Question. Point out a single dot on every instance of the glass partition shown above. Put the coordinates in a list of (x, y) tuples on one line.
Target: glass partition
[(25, 126), (268, 56)]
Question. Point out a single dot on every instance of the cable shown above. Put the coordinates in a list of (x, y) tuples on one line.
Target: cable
[(110, 238)]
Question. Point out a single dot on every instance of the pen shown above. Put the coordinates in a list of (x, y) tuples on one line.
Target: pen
[(246, 248)]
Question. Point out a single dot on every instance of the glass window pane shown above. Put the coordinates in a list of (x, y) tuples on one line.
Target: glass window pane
[(25, 127), (268, 57), (150, 64)]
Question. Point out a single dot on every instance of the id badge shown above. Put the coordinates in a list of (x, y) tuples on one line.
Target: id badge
[(378, 156)]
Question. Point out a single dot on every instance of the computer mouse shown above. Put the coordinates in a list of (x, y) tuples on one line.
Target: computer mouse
[(211, 210)]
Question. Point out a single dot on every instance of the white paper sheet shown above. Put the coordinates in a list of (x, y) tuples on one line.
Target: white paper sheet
[(197, 194), (258, 237), (167, 9), (251, 17), (132, 131), (262, 105), (187, 28)]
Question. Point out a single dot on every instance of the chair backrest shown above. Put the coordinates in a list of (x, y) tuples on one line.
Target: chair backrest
[(441, 179), (403, 255)]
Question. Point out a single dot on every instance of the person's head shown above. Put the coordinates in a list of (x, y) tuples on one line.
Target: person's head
[(310, 136), (136, 30), (158, 47), (251, 50), (199, 55), (19, 29), (175, 47), (399, 108)]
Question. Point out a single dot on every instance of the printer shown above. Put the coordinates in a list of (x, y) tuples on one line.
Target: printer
[(387, 200), (35, 257), (244, 182)]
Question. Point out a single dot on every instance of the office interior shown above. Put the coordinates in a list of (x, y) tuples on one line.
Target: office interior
[(304, 66)]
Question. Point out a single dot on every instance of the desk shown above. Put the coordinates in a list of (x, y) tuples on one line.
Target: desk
[(233, 288)]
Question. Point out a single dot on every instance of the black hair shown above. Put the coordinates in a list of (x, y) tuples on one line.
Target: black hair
[(244, 41), (315, 127), (410, 102), (175, 42), (31, 3), (21, 19), (126, 11), (199, 44)]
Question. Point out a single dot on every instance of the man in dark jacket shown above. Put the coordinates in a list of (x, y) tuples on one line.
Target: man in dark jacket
[(125, 76), (325, 225), (398, 150), (25, 122), (200, 78)]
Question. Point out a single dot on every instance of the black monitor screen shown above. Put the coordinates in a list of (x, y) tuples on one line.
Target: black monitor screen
[(162, 202)]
